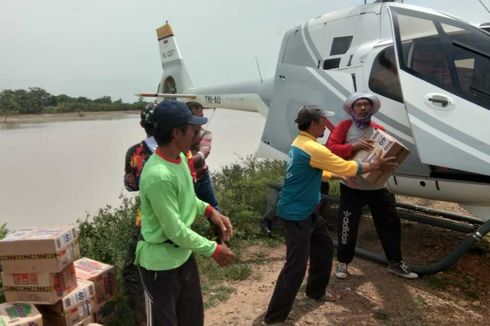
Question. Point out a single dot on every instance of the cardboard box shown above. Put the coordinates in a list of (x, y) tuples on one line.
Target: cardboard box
[(32, 250), (79, 314), (19, 314), (387, 146), (84, 291), (103, 276), (39, 287)]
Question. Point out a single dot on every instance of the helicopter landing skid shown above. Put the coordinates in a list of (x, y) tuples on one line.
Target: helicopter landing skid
[(475, 229)]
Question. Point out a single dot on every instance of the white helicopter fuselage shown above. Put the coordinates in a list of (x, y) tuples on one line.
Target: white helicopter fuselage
[(428, 69)]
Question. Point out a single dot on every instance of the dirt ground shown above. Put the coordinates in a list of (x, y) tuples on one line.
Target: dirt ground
[(371, 295)]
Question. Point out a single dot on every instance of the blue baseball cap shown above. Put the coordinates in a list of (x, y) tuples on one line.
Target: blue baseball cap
[(170, 113)]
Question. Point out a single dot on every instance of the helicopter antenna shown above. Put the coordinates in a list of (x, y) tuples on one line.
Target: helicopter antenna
[(258, 68), (484, 6)]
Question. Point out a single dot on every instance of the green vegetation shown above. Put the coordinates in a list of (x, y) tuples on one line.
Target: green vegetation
[(37, 100)]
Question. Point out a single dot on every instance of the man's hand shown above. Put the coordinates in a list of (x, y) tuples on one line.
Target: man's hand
[(224, 225), (225, 256), (198, 161), (336, 176), (365, 144), (388, 164)]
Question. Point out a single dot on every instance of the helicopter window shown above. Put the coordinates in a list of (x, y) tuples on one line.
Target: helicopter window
[(450, 54), (423, 50), (427, 58), (340, 45), (470, 53), (331, 63), (383, 78)]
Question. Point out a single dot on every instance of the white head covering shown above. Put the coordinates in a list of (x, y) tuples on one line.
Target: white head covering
[(349, 103)]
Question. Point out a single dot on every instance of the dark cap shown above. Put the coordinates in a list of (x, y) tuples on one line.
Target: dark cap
[(170, 113), (308, 113)]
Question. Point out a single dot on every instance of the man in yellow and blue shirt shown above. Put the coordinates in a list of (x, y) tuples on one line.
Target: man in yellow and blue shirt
[(306, 234)]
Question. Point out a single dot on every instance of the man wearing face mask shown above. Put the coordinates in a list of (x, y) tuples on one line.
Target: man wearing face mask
[(348, 137)]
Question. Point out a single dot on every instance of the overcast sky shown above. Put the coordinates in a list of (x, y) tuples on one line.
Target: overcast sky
[(108, 47)]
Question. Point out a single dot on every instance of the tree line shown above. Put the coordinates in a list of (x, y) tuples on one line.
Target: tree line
[(37, 100)]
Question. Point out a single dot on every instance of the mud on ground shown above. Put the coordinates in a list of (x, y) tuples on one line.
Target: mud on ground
[(371, 295)]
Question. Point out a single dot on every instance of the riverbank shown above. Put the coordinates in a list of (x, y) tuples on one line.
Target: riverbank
[(68, 116)]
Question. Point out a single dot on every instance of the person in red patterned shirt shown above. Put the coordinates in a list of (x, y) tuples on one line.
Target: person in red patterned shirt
[(201, 148)]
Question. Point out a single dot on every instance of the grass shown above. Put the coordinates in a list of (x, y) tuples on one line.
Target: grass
[(216, 295)]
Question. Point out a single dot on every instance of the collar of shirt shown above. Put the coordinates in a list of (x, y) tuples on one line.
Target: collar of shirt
[(304, 133)]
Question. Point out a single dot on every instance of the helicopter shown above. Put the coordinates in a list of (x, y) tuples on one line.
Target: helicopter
[(430, 70)]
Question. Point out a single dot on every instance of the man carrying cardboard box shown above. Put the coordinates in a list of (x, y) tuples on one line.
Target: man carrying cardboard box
[(349, 137)]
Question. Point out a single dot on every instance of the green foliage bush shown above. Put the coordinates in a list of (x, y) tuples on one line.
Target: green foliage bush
[(241, 189)]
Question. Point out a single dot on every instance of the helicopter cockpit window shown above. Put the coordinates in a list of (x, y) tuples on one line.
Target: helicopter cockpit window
[(383, 78), (423, 50), (340, 45), (450, 54), (470, 53)]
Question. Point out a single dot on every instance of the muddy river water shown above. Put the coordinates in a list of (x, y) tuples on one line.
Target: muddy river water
[(53, 173)]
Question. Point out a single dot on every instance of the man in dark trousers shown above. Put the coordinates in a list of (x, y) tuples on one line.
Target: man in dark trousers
[(348, 137), (306, 234), (169, 207)]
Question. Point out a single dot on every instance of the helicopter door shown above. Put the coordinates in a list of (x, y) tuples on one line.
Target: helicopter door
[(444, 70)]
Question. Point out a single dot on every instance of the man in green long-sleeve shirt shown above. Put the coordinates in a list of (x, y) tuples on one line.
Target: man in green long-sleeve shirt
[(169, 206)]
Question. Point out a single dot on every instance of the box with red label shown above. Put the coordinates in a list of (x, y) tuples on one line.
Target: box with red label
[(84, 291), (103, 275), (39, 287), (19, 314), (39, 249), (386, 146)]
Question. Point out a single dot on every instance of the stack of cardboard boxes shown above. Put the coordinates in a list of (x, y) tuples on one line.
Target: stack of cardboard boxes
[(103, 276), (39, 266)]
